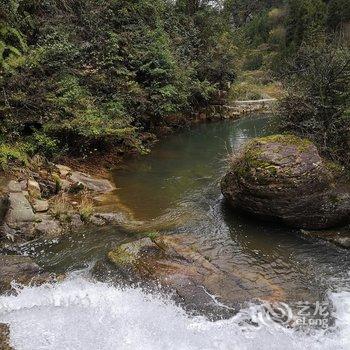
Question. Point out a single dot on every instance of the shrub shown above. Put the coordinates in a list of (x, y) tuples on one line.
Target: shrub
[(318, 99), (86, 207), (10, 153), (254, 61)]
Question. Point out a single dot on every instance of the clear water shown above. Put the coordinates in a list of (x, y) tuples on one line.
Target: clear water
[(173, 190)]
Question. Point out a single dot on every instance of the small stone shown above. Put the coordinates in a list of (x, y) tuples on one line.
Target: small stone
[(63, 170), (20, 210), (34, 189), (76, 221), (24, 185), (95, 220), (65, 185), (49, 227), (14, 186), (40, 206)]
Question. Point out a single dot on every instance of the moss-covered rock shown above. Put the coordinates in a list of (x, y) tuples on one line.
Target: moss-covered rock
[(284, 177)]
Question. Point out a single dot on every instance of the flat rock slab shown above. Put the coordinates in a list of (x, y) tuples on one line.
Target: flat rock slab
[(195, 282), (40, 206), (20, 210), (14, 186), (98, 185)]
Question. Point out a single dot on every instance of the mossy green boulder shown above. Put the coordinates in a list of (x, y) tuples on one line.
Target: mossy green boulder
[(283, 177)]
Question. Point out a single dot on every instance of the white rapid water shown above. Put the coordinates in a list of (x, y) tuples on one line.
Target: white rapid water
[(80, 314)]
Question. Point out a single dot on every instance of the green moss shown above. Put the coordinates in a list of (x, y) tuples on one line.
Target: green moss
[(253, 163), (287, 139), (10, 153), (151, 235), (120, 256), (334, 168)]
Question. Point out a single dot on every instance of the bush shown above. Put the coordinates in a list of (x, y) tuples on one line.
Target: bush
[(254, 61), (318, 99), (9, 153)]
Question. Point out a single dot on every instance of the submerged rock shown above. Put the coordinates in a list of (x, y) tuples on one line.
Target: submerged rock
[(175, 265), (283, 177), (339, 237)]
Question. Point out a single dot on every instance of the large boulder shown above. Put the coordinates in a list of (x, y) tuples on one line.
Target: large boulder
[(91, 183), (283, 177)]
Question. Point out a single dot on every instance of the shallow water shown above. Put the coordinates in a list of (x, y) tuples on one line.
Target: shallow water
[(173, 190), (180, 179)]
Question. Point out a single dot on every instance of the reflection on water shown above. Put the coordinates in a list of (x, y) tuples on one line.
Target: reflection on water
[(181, 164)]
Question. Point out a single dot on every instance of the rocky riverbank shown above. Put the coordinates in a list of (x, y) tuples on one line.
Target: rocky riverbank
[(48, 200)]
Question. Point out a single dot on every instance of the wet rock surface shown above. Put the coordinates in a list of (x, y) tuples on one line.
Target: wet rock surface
[(5, 337), (21, 270), (339, 236), (283, 177), (172, 263)]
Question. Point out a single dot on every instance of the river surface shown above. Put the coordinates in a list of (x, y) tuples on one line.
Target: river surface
[(175, 189)]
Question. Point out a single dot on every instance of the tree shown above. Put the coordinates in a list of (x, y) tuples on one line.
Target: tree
[(318, 101)]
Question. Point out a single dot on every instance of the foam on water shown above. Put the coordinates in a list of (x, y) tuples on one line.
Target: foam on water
[(81, 314)]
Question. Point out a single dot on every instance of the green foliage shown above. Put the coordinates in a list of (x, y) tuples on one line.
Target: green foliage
[(338, 13), (9, 153), (253, 61), (306, 19), (96, 74), (318, 98)]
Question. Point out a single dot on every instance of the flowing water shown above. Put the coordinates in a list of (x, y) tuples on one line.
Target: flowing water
[(174, 190)]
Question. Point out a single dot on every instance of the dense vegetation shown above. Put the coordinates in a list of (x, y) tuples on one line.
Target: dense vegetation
[(85, 76), (81, 75)]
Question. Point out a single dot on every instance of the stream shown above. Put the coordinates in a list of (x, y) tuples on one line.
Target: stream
[(176, 190)]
